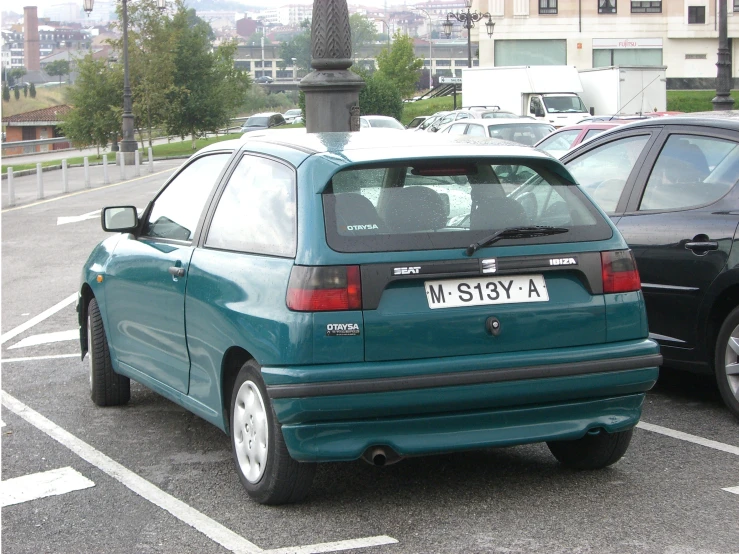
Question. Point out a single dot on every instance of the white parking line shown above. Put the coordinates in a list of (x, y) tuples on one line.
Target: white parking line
[(689, 438), (40, 485), (185, 513), (734, 490), (334, 546), (37, 358), (38, 319), (47, 338)]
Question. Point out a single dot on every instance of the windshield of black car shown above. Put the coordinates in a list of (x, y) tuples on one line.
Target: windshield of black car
[(257, 121), (438, 204), (564, 104)]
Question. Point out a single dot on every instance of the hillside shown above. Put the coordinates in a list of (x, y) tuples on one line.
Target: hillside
[(45, 97)]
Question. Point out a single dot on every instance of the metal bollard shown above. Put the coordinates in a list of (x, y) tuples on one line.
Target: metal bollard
[(39, 182), (65, 177), (11, 187), (137, 163), (151, 160), (87, 172), (121, 167), (106, 179)]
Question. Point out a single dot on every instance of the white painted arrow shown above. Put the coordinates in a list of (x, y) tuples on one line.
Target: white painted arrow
[(77, 218)]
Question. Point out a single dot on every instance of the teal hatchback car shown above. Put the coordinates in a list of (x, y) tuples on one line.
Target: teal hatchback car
[(330, 297)]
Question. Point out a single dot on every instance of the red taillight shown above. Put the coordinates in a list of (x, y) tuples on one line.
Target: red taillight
[(619, 271), (324, 289)]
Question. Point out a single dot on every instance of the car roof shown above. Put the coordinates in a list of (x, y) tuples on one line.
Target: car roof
[(388, 145), (503, 121), (264, 114), (378, 117), (222, 145), (720, 120)]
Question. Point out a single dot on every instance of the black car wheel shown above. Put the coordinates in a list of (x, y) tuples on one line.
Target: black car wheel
[(593, 451), (107, 388), (727, 361), (264, 465)]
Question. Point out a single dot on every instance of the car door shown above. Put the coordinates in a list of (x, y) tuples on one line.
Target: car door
[(146, 277), (680, 226)]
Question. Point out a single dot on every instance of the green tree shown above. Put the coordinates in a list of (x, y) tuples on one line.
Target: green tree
[(380, 96), (399, 63), (150, 62), (58, 67), (6, 92), (25, 91), (15, 75), (32, 91), (297, 47), (363, 32), (96, 99), (208, 89), (17, 92), (256, 39)]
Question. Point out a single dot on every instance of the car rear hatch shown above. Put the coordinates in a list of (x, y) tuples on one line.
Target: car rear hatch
[(537, 285)]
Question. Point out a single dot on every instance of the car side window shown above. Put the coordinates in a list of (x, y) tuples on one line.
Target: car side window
[(476, 130), (457, 129), (592, 133), (691, 171), (177, 209), (257, 210), (603, 171), (560, 141)]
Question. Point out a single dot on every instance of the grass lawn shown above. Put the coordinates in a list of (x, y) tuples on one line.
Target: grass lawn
[(694, 100)]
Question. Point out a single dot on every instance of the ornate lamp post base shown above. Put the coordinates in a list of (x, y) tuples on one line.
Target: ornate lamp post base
[(329, 97)]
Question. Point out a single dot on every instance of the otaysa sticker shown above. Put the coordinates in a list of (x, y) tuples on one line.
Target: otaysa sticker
[(342, 329), (369, 227)]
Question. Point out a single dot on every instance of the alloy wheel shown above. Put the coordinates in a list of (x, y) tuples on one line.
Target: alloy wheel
[(732, 362), (251, 431)]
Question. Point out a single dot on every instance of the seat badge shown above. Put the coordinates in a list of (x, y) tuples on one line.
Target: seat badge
[(488, 266)]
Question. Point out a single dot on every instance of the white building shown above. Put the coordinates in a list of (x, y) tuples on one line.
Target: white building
[(288, 15), (680, 34)]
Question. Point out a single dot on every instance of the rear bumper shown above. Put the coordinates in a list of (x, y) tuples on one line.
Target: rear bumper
[(347, 440), (335, 412)]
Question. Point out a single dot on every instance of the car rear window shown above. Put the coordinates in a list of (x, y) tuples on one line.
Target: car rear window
[(430, 205)]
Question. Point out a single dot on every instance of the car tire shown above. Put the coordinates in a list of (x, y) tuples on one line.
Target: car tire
[(726, 363), (265, 468), (107, 388), (594, 451)]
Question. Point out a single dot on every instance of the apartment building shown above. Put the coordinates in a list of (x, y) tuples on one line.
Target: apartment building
[(679, 34)]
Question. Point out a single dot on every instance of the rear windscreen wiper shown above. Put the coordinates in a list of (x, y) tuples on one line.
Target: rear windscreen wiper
[(515, 233)]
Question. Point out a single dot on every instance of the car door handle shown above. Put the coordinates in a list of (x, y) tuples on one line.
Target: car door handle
[(701, 247), (177, 271)]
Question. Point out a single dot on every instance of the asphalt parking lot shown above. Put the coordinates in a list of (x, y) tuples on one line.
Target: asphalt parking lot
[(152, 477)]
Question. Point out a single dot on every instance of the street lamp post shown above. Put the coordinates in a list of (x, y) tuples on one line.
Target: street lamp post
[(431, 63), (723, 99), (128, 141), (295, 78), (468, 20)]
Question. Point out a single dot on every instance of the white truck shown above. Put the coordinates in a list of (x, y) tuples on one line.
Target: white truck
[(549, 93), (624, 90)]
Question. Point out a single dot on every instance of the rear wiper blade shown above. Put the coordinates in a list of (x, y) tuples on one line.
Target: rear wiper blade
[(515, 233)]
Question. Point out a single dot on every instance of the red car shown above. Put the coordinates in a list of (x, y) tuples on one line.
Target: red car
[(562, 140)]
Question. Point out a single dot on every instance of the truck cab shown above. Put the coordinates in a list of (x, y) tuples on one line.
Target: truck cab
[(558, 109)]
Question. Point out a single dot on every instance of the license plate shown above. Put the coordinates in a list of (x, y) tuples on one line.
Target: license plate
[(509, 289)]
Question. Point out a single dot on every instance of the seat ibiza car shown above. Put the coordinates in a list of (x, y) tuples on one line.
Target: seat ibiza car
[(308, 295)]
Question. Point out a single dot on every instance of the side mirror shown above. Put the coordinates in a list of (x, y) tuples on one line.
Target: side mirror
[(592, 110), (119, 219)]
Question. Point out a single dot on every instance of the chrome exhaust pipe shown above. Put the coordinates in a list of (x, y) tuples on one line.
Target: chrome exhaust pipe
[(380, 456)]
